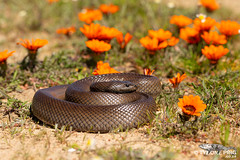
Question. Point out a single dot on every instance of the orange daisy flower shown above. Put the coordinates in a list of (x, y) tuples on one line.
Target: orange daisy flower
[(52, 1), (214, 53), (4, 56), (107, 34), (162, 45), (177, 80), (160, 34), (192, 105), (91, 31), (229, 28), (34, 46), (214, 38), (210, 5), (103, 68), (89, 15), (190, 35), (106, 9), (66, 31), (204, 24), (98, 46), (181, 21), (148, 71), (173, 41), (123, 41), (152, 44), (96, 31)]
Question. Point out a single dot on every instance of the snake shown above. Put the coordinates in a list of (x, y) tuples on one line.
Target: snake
[(100, 103)]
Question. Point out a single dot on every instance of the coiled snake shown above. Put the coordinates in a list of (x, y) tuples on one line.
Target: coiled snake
[(86, 109)]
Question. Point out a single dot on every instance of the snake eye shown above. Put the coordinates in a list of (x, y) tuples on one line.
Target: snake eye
[(127, 85)]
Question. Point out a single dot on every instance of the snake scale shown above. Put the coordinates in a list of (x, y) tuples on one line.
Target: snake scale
[(76, 105)]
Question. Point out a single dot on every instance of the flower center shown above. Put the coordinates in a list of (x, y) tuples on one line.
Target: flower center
[(190, 108), (202, 17)]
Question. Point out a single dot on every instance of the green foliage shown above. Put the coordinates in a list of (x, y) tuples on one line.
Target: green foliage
[(14, 105), (219, 92), (62, 68), (225, 131)]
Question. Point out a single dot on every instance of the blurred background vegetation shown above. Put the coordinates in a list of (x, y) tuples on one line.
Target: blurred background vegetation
[(62, 60)]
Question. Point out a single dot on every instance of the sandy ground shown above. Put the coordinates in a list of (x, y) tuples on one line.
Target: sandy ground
[(32, 141)]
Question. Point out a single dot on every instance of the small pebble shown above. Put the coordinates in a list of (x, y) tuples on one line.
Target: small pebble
[(71, 150)]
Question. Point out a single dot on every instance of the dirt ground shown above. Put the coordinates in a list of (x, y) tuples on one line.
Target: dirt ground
[(32, 141)]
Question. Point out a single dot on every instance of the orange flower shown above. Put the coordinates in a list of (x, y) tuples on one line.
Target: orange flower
[(162, 45), (214, 53), (106, 9), (91, 31), (161, 35), (67, 31), (152, 45), (34, 46), (4, 56), (214, 38), (103, 68), (52, 1), (173, 41), (229, 28), (190, 35), (204, 24), (148, 71), (192, 105), (181, 21), (107, 34), (123, 42), (96, 31), (89, 15), (210, 5), (177, 80), (98, 46)]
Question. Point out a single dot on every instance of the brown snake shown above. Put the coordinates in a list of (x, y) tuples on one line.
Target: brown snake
[(84, 110)]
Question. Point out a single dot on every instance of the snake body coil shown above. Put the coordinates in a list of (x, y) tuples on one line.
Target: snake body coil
[(76, 106)]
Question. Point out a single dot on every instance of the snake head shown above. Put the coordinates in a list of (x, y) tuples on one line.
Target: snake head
[(122, 87), (114, 87)]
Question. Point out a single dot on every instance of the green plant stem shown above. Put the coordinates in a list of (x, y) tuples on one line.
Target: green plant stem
[(3, 68), (32, 59)]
